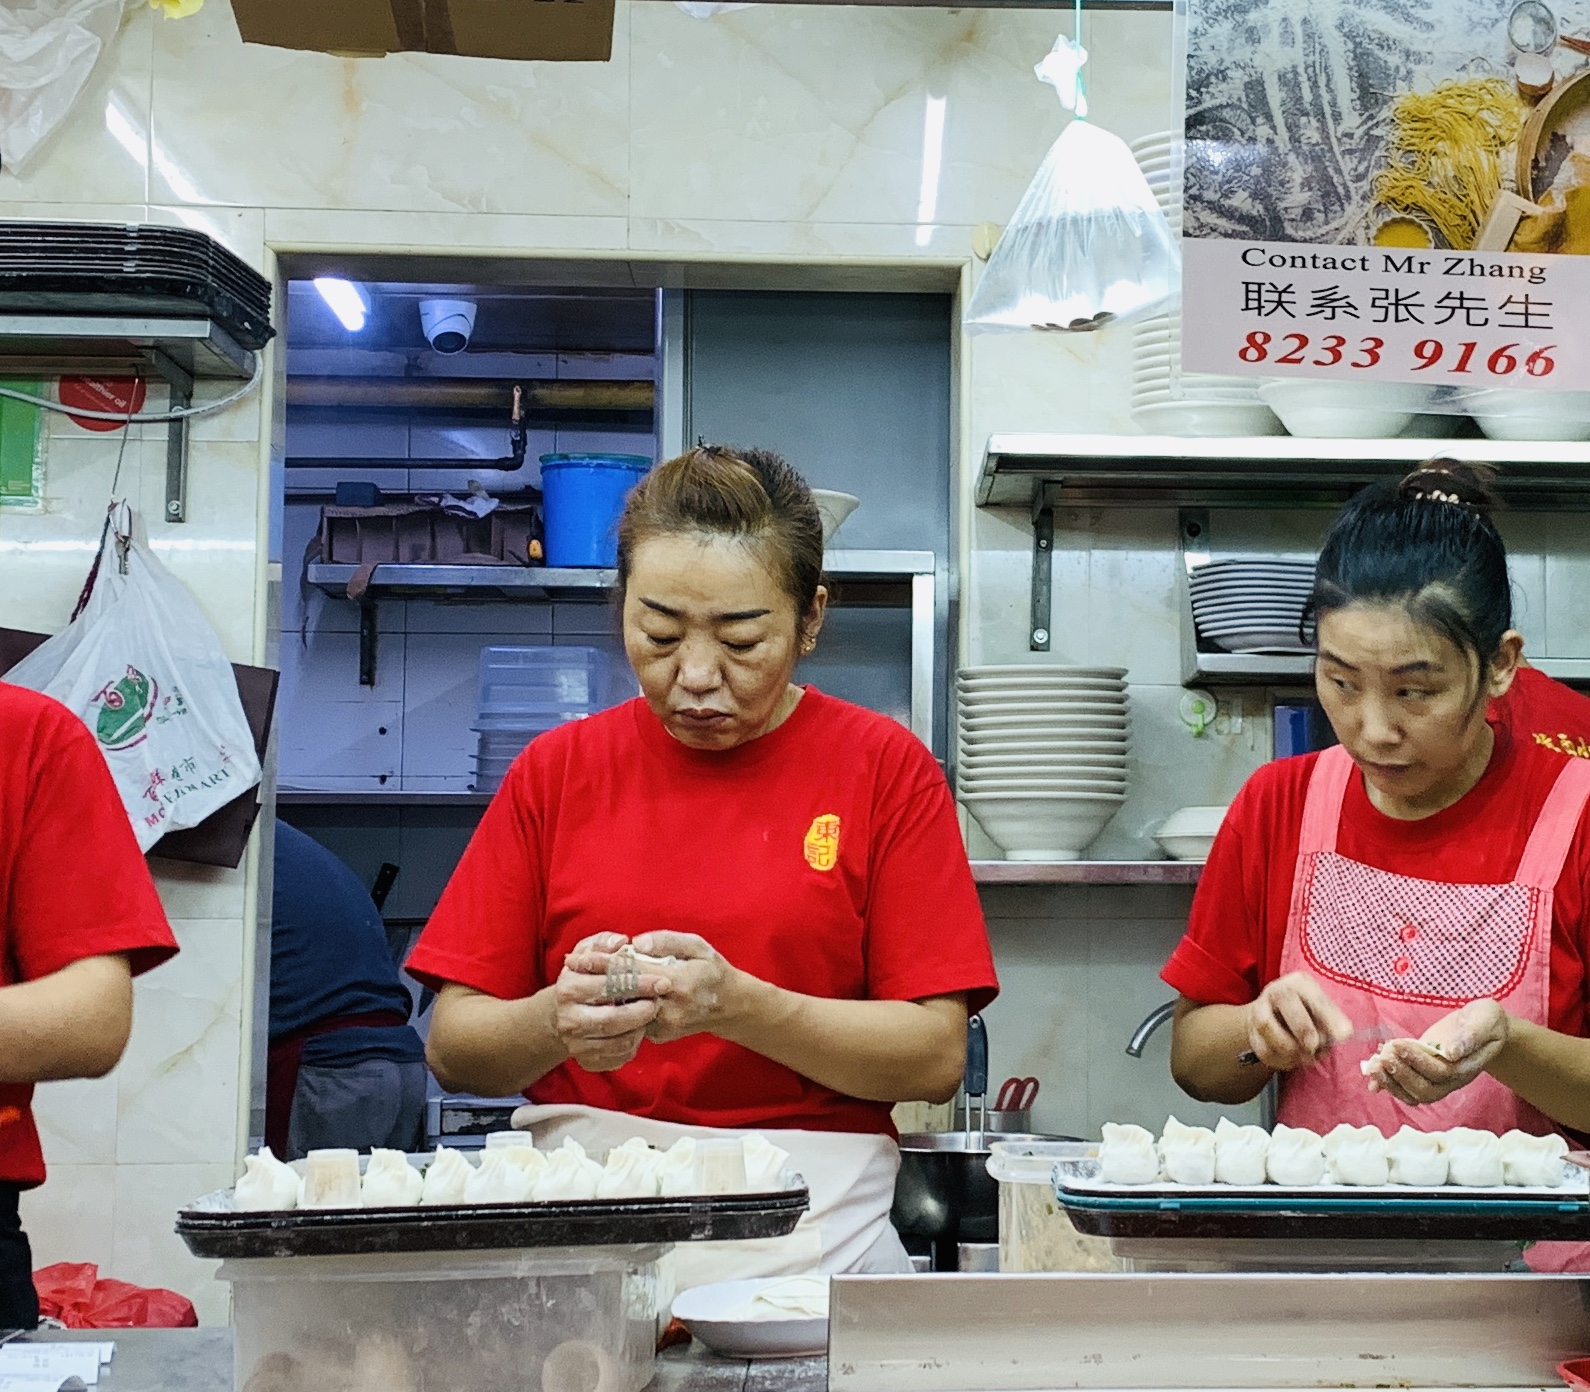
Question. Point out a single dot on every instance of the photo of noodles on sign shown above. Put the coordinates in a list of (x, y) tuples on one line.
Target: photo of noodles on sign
[(1391, 190)]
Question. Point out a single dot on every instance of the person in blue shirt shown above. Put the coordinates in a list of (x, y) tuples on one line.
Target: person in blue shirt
[(345, 1066)]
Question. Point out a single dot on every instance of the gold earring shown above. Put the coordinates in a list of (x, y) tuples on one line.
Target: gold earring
[(808, 645)]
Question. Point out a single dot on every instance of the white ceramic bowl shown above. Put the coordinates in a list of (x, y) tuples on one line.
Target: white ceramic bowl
[(1053, 669), (1043, 826), (1040, 721), (977, 706), (706, 1311), (833, 508), (1345, 410), (1086, 686), (1080, 786), (1185, 847), (1189, 832), (1045, 763), (1510, 413), (1203, 419)]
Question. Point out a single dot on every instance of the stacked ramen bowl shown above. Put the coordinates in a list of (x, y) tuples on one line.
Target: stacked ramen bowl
[(1252, 606), (1042, 755)]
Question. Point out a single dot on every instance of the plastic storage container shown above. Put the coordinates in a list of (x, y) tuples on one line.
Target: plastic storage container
[(582, 497), (567, 1319), (1035, 1234)]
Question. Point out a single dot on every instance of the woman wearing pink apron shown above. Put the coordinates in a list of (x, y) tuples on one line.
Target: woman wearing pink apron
[(1423, 882)]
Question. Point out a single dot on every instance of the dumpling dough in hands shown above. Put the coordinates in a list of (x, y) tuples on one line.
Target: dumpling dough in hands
[(1187, 1153), (1240, 1153), (267, 1185), (765, 1164), (331, 1179), (1415, 1157), (446, 1178), (1474, 1158), (1356, 1155), (1533, 1160), (570, 1174), (1128, 1155), (1296, 1157), (496, 1180), (678, 1172), (630, 1172), (390, 1181)]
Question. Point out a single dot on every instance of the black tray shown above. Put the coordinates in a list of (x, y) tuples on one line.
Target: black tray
[(215, 1233)]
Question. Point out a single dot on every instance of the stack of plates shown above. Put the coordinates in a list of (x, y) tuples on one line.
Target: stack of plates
[(1251, 606), (1165, 399), (1042, 757)]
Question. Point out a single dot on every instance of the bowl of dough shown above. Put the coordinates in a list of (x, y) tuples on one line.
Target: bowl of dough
[(773, 1317)]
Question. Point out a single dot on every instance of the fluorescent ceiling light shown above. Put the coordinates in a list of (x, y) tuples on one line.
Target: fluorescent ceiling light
[(927, 203), (346, 300)]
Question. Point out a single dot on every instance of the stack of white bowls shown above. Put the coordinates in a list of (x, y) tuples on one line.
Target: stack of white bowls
[(1512, 413), (1042, 757), (1166, 400), (1248, 606)]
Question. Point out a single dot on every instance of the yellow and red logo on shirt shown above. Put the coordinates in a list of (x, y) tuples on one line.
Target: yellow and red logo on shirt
[(1564, 744), (822, 842)]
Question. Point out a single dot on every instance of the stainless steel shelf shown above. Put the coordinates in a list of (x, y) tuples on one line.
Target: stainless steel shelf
[(64, 343), (1246, 669), (1088, 872), (1025, 470)]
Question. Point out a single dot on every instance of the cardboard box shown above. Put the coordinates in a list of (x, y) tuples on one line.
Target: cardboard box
[(564, 31)]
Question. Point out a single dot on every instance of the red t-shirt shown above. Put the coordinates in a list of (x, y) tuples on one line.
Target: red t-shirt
[(1232, 948), (72, 881), (824, 857), (1544, 710)]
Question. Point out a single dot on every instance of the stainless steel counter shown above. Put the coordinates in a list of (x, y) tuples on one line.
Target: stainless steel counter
[(200, 1360)]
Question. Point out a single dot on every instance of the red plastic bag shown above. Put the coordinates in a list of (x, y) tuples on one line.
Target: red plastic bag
[(76, 1294)]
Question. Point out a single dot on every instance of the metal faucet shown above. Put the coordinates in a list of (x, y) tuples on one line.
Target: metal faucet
[(1144, 1032)]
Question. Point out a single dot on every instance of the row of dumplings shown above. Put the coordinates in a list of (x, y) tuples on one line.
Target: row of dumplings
[(511, 1170), (1357, 1155)]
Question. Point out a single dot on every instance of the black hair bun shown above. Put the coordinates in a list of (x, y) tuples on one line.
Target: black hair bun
[(1468, 485)]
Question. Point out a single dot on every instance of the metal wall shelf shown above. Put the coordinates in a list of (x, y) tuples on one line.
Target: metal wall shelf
[(1257, 669), (1088, 872)]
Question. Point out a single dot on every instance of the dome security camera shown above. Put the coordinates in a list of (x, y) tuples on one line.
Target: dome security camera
[(448, 323)]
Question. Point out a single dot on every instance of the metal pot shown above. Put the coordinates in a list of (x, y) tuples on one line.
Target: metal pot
[(944, 1195)]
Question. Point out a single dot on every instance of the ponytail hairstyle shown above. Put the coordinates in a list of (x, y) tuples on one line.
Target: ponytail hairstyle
[(750, 495), (1427, 544)]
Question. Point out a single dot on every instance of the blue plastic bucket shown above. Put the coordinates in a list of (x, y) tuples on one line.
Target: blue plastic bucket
[(583, 497)]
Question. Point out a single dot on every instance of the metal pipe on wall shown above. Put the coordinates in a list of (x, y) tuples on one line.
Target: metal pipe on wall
[(469, 394)]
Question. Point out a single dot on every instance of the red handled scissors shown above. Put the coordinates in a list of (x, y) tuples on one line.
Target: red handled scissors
[(1016, 1095)]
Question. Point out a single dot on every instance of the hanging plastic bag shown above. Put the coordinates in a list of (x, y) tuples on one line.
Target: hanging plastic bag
[(144, 670), (1087, 245), (48, 48)]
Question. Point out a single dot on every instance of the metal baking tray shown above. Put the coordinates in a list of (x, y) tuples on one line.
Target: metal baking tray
[(1381, 1212), (212, 1229)]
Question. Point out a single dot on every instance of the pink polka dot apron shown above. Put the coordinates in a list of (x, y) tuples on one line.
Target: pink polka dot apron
[(1399, 953)]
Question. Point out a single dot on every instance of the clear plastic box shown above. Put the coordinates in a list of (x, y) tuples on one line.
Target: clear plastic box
[(567, 1319), (1035, 1233), (536, 688)]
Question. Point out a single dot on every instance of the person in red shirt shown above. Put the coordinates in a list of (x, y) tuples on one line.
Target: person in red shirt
[(797, 857), (79, 918), (1549, 712), (1399, 927)]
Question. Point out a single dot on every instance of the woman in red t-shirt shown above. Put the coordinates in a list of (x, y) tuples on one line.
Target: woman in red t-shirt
[(797, 856), (1422, 884)]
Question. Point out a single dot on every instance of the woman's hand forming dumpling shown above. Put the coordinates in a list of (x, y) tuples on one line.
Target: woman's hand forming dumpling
[(697, 989), (599, 1035), (1450, 1055)]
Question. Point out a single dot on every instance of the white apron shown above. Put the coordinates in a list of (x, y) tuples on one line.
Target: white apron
[(850, 1176)]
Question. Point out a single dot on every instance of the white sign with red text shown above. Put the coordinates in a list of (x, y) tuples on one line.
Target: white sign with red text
[(1444, 318)]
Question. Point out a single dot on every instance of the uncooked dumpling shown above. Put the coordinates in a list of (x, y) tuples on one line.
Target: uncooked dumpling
[(390, 1181), (331, 1179), (570, 1174), (1187, 1153), (497, 1180), (1416, 1157), (1356, 1155), (765, 1164), (1533, 1160), (1240, 1153), (1474, 1158), (1296, 1157), (446, 1178), (677, 1173), (1128, 1155), (267, 1185), (520, 1150), (630, 1172)]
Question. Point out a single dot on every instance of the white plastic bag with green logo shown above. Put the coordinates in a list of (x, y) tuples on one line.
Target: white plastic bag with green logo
[(146, 673)]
